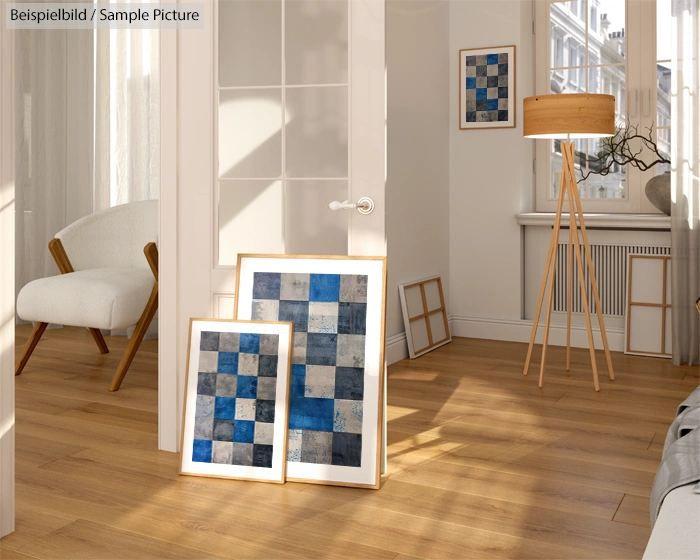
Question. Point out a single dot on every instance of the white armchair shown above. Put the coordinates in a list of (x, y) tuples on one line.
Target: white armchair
[(105, 281)]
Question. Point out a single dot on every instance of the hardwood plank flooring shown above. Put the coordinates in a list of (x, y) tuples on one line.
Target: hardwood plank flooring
[(633, 510), (482, 464)]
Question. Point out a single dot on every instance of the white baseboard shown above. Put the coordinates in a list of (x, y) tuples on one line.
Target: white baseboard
[(396, 348), (520, 330), (512, 331)]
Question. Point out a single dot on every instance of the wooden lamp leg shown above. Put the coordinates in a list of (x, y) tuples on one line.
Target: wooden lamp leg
[(545, 338), (38, 330), (594, 284), (549, 266), (536, 319), (568, 149), (569, 283), (567, 187)]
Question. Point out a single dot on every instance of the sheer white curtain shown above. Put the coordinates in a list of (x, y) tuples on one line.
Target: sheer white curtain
[(685, 182), (54, 142), (127, 120)]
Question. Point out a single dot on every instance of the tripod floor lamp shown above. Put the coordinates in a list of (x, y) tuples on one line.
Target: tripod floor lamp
[(573, 115)]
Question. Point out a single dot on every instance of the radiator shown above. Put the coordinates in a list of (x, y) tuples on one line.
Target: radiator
[(610, 264)]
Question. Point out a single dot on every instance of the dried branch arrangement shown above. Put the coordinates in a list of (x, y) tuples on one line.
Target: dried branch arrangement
[(618, 150)]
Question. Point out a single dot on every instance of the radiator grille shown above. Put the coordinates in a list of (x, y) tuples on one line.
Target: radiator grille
[(610, 263)]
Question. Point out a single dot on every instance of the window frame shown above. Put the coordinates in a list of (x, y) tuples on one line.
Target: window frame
[(640, 98)]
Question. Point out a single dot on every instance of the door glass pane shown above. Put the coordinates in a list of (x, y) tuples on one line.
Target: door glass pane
[(250, 133), (250, 43), (310, 228), (282, 127), (250, 219), (316, 138), (316, 36)]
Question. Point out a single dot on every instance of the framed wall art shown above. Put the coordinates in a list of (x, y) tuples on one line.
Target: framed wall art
[(337, 306), (424, 315), (487, 88), (236, 399)]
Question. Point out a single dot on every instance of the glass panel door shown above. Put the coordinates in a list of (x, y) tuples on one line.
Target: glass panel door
[(282, 104)]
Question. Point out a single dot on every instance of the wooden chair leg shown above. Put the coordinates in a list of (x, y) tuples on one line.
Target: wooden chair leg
[(99, 340), (136, 338), (39, 329)]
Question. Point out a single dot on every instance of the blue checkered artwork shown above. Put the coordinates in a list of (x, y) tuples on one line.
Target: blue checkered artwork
[(487, 88), (233, 424), (337, 307), (329, 312), (235, 409)]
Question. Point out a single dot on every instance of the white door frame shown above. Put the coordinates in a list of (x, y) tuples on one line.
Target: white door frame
[(7, 280), (182, 107), (169, 355)]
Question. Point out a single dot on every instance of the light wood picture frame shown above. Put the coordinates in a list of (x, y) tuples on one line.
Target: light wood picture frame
[(487, 88), (236, 400), (337, 305), (648, 319), (424, 315)]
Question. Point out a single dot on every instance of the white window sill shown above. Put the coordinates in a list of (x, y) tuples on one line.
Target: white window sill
[(606, 221)]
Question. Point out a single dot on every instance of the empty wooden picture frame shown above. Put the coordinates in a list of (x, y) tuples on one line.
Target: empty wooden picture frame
[(236, 399), (337, 305), (648, 321), (424, 315)]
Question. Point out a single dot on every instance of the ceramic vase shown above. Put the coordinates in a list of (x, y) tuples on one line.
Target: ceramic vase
[(658, 191)]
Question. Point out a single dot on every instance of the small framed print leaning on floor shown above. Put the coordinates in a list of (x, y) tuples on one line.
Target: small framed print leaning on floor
[(337, 305), (236, 399), (487, 88)]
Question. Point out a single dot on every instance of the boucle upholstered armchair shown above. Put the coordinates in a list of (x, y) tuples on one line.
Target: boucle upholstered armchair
[(105, 281)]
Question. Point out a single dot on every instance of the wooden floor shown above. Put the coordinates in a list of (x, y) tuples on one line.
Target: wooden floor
[(482, 464)]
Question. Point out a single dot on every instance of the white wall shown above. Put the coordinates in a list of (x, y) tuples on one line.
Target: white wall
[(490, 176), (417, 193)]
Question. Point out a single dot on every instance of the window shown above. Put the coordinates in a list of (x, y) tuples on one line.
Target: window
[(603, 46), (574, 63), (557, 49), (594, 17)]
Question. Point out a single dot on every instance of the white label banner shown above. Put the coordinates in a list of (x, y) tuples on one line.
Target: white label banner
[(136, 15)]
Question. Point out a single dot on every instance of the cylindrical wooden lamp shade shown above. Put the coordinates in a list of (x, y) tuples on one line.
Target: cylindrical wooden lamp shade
[(579, 115)]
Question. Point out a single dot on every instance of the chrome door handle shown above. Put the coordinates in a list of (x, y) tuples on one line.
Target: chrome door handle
[(364, 205)]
